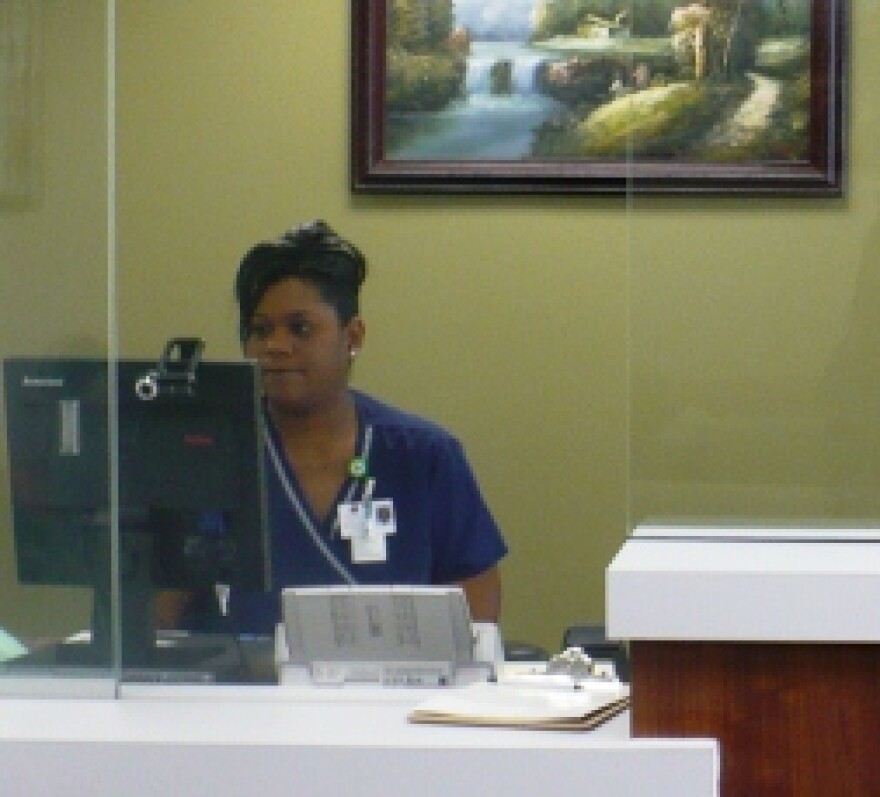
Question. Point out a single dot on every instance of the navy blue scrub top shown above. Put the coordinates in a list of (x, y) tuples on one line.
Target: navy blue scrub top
[(444, 530)]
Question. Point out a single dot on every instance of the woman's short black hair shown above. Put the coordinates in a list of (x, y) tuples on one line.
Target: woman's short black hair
[(312, 252)]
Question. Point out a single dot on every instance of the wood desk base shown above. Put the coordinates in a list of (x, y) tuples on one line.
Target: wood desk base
[(792, 719)]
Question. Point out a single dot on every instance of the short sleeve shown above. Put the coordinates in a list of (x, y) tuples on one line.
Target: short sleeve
[(465, 536)]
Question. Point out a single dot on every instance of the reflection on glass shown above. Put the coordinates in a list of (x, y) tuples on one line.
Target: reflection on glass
[(53, 240)]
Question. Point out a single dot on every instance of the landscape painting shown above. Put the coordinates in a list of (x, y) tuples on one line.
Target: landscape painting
[(596, 96)]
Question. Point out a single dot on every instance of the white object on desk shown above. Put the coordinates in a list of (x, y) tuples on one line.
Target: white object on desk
[(536, 701), (390, 635), (488, 645)]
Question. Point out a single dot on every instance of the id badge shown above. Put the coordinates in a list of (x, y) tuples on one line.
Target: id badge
[(366, 527), (381, 520), (369, 548), (352, 519)]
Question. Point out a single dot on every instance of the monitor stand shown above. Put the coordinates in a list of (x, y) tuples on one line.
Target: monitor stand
[(147, 655)]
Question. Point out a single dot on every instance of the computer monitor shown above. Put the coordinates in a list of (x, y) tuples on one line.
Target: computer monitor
[(184, 439)]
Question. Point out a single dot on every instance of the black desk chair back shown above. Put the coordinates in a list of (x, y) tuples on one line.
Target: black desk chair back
[(524, 651)]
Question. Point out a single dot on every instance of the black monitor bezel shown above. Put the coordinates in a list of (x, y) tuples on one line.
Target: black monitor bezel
[(232, 388)]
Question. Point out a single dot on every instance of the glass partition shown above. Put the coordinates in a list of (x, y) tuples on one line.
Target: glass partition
[(55, 224), (751, 323), (124, 478), (753, 329)]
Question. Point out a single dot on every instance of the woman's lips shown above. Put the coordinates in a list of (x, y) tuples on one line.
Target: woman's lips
[(281, 374)]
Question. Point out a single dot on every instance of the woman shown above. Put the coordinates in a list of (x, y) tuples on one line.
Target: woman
[(359, 492)]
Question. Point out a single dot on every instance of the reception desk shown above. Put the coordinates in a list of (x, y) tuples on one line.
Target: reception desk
[(226, 741), (766, 639)]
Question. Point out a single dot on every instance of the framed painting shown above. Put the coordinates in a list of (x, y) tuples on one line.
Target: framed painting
[(599, 96)]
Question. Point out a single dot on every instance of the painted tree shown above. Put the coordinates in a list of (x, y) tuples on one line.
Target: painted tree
[(423, 70), (440, 23), (787, 17), (421, 26), (736, 27), (720, 36), (690, 29)]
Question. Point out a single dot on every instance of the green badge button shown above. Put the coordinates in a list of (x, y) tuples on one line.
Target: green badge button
[(357, 468)]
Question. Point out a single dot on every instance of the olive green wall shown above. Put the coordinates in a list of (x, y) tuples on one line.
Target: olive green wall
[(53, 273), (697, 344), (503, 318)]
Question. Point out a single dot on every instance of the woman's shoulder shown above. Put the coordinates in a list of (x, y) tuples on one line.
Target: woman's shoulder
[(390, 419)]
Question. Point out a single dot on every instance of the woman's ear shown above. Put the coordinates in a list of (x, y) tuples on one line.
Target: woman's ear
[(356, 331)]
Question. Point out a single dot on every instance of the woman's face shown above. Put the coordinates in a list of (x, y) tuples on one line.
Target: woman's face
[(303, 349)]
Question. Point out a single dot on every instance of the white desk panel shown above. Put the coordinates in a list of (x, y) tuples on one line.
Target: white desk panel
[(746, 587), (224, 743)]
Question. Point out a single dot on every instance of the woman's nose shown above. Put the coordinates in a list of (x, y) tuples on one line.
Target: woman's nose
[(278, 341)]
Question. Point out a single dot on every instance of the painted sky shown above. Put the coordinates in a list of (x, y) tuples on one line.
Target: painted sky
[(495, 18)]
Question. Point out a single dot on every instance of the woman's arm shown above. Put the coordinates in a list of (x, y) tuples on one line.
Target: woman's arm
[(170, 606), (483, 594)]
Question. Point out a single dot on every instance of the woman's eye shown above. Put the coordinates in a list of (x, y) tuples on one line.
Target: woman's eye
[(300, 329), (296, 327)]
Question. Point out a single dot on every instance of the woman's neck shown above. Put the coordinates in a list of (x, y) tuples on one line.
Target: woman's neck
[(317, 426), (319, 446)]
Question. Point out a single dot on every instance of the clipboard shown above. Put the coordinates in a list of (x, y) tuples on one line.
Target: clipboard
[(496, 705)]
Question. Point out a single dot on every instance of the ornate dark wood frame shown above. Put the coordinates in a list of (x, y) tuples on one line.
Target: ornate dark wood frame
[(820, 175)]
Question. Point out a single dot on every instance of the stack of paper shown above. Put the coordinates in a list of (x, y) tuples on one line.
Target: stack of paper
[(580, 707)]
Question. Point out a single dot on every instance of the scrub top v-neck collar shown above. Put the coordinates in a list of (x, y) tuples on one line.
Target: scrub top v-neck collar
[(329, 525)]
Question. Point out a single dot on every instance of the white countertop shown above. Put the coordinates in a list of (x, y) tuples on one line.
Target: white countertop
[(233, 740), (790, 585)]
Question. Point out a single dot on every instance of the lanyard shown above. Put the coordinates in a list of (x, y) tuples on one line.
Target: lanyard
[(304, 517)]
